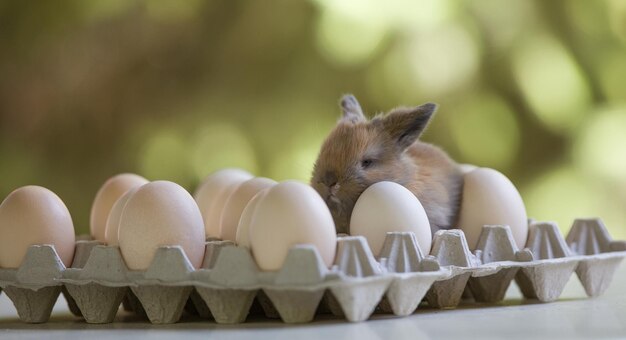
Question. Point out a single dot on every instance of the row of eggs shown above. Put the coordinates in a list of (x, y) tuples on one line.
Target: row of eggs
[(258, 213)]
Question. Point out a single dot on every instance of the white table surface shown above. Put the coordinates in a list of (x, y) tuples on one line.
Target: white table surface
[(573, 316)]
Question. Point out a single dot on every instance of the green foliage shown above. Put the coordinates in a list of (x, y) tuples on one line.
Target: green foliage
[(174, 90)]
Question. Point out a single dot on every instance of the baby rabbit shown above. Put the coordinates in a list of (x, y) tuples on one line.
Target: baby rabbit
[(359, 153)]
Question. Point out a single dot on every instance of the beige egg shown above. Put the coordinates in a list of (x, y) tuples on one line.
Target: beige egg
[(243, 229), (236, 203), (291, 213), (160, 213), (386, 207), (111, 235), (212, 194), (108, 194), (490, 198), (34, 215)]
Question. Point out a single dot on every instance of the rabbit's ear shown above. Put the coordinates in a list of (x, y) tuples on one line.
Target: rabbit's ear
[(351, 109), (405, 125)]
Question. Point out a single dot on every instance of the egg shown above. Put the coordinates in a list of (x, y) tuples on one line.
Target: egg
[(465, 168), (236, 203), (387, 207), (243, 229), (490, 198), (108, 194), (113, 221), (160, 213), (291, 213), (34, 215), (212, 194)]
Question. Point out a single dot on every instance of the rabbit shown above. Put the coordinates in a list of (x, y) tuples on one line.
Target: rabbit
[(359, 152)]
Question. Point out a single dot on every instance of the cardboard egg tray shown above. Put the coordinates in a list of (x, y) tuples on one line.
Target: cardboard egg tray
[(229, 286)]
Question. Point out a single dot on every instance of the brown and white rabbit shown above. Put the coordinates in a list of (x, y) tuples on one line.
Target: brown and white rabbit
[(360, 152)]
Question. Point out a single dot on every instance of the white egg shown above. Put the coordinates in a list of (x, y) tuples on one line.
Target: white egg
[(212, 194), (291, 213), (236, 203), (243, 229), (34, 215), (160, 213), (387, 207), (465, 168), (490, 198), (108, 194)]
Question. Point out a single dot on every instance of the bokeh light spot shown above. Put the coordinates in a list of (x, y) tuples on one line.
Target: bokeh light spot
[(601, 147), (294, 164), (166, 157), (552, 83), (411, 15), (443, 59), (562, 195), (218, 146), (389, 81), (427, 64), (348, 40), (397, 14), (350, 32), (485, 131), (297, 159)]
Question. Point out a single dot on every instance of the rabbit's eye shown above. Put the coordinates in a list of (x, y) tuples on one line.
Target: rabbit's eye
[(366, 163)]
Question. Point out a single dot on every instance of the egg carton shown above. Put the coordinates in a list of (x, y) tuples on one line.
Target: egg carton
[(229, 286)]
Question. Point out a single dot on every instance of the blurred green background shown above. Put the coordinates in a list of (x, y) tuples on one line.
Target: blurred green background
[(177, 89)]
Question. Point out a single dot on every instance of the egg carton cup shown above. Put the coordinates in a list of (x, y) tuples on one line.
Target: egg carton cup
[(229, 285), (33, 287), (599, 254)]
